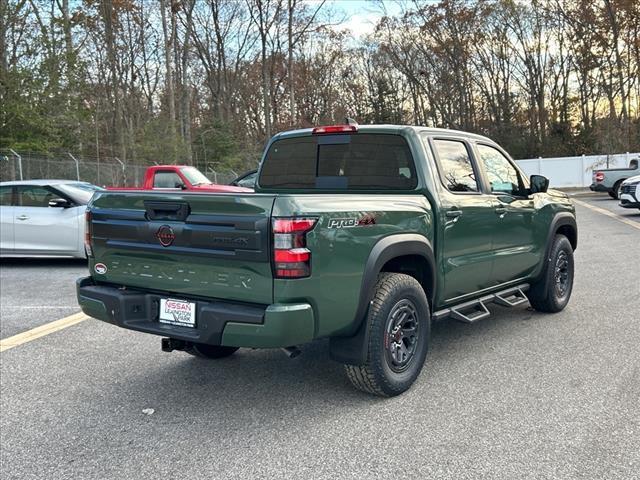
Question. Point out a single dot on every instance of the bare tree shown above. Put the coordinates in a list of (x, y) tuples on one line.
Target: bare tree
[(265, 14)]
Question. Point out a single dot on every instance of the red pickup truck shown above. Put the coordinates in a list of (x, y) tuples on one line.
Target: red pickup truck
[(180, 177)]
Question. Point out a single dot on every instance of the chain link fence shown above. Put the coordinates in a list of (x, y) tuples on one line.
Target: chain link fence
[(21, 165)]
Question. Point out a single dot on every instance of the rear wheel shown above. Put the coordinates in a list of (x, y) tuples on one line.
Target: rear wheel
[(399, 325), (203, 350), (552, 291), (617, 188)]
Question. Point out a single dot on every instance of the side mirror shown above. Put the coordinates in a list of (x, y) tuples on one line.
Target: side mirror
[(59, 203), (539, 183), (180, 185)]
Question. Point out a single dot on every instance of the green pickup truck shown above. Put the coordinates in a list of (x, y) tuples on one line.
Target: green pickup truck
[(362, 235)]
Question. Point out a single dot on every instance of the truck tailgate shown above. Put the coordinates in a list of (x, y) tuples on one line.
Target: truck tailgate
[(199, 245)]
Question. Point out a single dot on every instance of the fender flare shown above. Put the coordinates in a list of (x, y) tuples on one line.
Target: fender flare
[(353, 349), (561, 219)]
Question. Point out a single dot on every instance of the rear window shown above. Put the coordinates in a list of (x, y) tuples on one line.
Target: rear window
[(167, 180), (355, 162)]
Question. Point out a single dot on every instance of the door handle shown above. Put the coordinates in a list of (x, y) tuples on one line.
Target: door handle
[(453, 213), (22, 217)]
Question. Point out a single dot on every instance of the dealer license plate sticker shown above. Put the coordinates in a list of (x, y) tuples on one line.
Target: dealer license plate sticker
[(177, 312)]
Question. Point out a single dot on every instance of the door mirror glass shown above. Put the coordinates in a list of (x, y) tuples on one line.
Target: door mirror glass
[(59, 203), (539, 183)]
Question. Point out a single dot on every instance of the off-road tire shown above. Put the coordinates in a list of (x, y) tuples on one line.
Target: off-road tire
[(547, 295), (203, 350), (377, 375)]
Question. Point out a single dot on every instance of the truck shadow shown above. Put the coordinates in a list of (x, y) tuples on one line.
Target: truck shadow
[(268, 382), (42, 262)]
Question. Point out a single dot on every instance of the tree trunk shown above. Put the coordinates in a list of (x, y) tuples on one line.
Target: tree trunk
[(266, 102), (4, 62), (292, 105), (185, 90), (114, 86), (170, 92)]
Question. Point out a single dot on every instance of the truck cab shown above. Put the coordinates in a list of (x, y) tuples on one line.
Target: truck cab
[(180, 177)]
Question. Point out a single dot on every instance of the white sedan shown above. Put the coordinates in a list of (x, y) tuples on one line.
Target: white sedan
[(43, 218)]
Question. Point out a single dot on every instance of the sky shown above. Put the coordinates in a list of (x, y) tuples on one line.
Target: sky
[(361, 15)]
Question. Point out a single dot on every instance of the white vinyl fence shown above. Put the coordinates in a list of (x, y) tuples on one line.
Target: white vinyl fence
[(573, 171)]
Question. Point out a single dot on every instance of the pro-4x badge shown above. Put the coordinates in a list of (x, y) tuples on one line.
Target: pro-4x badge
[(368, 219)]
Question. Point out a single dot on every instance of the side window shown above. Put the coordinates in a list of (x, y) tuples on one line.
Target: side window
[(455, 165), (502, 175), (167, 180), (6, 193), (249, 181), (34, 196)]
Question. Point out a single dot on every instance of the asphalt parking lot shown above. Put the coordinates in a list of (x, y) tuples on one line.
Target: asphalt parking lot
[(604, 202), (519, 395)]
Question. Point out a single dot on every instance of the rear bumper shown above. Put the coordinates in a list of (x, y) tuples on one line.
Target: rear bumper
[(217, 322), (598, 187)]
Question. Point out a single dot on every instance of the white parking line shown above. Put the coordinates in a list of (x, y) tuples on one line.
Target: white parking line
[(13, 307), (607, 213), (41, 331)]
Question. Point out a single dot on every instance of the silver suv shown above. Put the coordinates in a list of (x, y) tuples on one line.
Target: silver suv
[(630, 193)]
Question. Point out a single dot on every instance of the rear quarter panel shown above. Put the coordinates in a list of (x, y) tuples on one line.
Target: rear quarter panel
[(338, 255)]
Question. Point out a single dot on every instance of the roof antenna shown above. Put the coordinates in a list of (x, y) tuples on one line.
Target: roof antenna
[(350, 121)]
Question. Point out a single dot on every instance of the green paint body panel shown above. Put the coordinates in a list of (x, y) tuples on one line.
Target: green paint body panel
[(476, 252), (284, 325), (339, 254), (165, 269)]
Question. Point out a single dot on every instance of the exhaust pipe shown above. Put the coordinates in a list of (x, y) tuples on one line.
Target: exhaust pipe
[(292, 351)]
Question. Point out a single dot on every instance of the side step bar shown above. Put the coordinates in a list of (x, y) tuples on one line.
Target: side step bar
[(474, 310)]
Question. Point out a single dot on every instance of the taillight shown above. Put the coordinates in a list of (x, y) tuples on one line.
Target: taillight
[(335, 129), (291, 257), (599, 176), (87, 233)]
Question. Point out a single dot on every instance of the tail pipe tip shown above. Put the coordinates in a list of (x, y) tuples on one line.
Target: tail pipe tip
[(292, 351)]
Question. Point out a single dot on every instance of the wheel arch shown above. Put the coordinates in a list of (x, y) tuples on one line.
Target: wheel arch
[(411, 254), (563, 223)]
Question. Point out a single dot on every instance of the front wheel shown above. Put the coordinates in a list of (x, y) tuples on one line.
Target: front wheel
[(552, 291), (399, 325)]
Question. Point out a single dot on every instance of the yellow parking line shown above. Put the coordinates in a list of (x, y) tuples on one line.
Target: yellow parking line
[(41, 331), (607, 213)]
